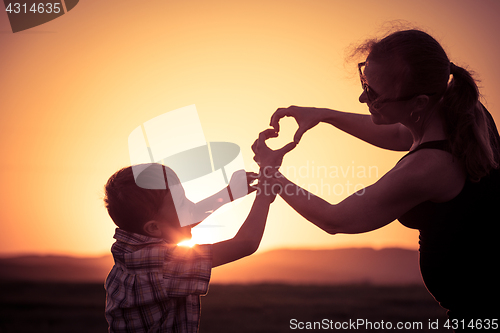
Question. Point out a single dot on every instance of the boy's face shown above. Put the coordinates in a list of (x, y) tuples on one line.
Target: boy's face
[(175, 217)]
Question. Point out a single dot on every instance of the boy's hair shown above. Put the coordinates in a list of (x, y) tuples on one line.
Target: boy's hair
[(130, 206)]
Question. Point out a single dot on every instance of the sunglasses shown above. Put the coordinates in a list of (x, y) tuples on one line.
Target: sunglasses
[(373, 96)]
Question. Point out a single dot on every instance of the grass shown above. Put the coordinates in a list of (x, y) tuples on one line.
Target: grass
[(60, 307), (269, 308)]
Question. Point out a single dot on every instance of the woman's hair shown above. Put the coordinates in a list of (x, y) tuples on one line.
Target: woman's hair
[(424, 68), (130, 206)]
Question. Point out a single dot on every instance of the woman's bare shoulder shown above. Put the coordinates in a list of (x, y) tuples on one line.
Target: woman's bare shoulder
[(438, 171)]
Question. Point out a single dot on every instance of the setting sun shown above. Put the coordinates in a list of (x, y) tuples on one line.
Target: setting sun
[(188, 243)]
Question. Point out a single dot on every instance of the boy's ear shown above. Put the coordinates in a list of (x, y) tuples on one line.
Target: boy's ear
[(152, 229)]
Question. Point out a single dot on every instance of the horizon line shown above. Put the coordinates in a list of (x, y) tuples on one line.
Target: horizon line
[(10, 255)]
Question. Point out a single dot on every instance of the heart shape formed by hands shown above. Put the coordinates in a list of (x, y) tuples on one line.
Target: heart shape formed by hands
[(287, 129), (267, 158)]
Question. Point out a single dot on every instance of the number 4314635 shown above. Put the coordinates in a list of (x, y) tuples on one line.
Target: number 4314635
[(36, 8), (478, 324)]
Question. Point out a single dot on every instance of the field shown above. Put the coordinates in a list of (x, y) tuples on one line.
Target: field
[(73, 308)]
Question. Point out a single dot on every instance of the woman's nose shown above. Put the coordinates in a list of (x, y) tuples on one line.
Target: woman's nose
[(363, 98)]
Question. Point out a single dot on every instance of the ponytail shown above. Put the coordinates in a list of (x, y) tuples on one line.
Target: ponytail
[(469, 127)]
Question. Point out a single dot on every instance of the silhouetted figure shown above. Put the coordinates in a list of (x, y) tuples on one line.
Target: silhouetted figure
[(447, 186), (155, 285)]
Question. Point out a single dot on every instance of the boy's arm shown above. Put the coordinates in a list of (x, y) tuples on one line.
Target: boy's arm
[(248, 238), (239, 186)]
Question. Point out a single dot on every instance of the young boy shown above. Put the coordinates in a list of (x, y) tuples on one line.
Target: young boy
[(155, 285)]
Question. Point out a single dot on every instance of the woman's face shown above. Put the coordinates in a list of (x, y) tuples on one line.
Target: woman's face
[(378, 79)]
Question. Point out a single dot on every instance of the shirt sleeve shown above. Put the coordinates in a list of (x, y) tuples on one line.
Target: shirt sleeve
[(187, 270)]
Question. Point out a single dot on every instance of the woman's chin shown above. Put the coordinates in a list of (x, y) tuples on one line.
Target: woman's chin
[(376, 118)]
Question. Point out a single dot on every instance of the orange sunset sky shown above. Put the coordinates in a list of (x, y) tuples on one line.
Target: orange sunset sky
[(73, 89)]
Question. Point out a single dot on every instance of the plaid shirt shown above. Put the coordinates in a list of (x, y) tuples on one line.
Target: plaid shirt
[(155, 286)]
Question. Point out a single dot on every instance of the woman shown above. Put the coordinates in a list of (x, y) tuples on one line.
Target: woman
[(447, 186)]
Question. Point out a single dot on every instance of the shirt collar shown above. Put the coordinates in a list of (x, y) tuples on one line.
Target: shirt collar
[(135, 239)]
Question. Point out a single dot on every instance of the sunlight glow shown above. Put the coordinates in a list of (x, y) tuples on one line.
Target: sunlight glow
[(188, 243)]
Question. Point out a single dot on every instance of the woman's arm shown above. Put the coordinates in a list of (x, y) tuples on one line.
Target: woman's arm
[(363, 211), (426, 175), (392, 137)]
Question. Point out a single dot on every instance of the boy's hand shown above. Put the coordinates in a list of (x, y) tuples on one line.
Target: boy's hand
[(241, 183), (264, 186)]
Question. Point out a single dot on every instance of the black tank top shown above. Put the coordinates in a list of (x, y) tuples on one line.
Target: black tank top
[(458, 251)]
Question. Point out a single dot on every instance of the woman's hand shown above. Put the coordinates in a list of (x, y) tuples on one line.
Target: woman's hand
[(305, 117), (269, 160)]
